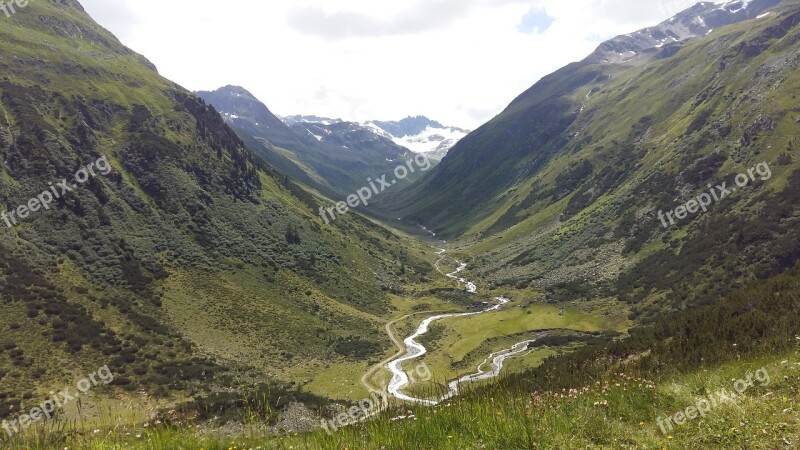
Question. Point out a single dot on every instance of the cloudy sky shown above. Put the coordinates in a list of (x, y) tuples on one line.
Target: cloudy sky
[(457, 61)]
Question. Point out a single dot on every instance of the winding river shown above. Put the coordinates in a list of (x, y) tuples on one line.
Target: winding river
[(414, 349)]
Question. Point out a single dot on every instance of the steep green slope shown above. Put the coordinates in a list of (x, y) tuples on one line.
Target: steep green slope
[(245, 112), (265, 134), (186, 265), (562, 192)]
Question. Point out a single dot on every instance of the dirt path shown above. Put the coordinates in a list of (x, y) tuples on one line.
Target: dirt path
[(401, 349)]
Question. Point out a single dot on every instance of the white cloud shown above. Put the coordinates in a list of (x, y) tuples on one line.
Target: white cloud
[(416, 17), (115, 14), (456, 61)]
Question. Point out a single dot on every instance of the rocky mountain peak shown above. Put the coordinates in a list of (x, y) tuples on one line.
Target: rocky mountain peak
[(699, 20)]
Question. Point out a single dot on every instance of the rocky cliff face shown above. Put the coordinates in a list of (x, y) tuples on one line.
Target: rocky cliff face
[(666, 37)]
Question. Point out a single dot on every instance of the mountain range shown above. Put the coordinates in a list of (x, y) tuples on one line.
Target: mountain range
[(419, 134), (628, 226), (331, 155)]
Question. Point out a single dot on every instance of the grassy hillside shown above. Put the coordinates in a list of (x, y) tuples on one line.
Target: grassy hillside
[(605, 396), (190, 266), (562, 192), (233, 316)]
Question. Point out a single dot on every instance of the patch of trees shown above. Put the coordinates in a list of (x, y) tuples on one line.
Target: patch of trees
[(763, 318), (698, 273), (356, 347)]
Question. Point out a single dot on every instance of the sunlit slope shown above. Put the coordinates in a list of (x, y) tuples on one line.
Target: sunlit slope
[(187, 264), (562, 192)]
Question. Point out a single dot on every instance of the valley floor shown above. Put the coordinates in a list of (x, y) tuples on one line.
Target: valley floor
[(759, 408)]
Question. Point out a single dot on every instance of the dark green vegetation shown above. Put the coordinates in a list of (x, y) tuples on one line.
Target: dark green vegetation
[(562, 191), (762, 319), (683, 356), (336, 159), (603, 396), (202, 276), (192, 264)]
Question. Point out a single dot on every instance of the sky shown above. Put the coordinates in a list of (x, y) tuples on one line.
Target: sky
[(460, 62)]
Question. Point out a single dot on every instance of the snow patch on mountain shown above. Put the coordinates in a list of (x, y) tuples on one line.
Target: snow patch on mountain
[(417, 134), (292, 120), (699, 20), (379, 131), (434, 141)]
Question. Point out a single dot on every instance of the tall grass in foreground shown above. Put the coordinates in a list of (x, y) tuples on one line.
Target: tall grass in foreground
[(618, 412)]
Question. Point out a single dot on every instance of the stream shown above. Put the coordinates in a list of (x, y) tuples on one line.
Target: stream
[(414, 349)]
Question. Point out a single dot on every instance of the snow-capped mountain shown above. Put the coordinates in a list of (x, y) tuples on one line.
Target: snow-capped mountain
[(337, 136), (330, 155), (665, 38), (418, 134), (422, 135), (244, 111), (292, 120)]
